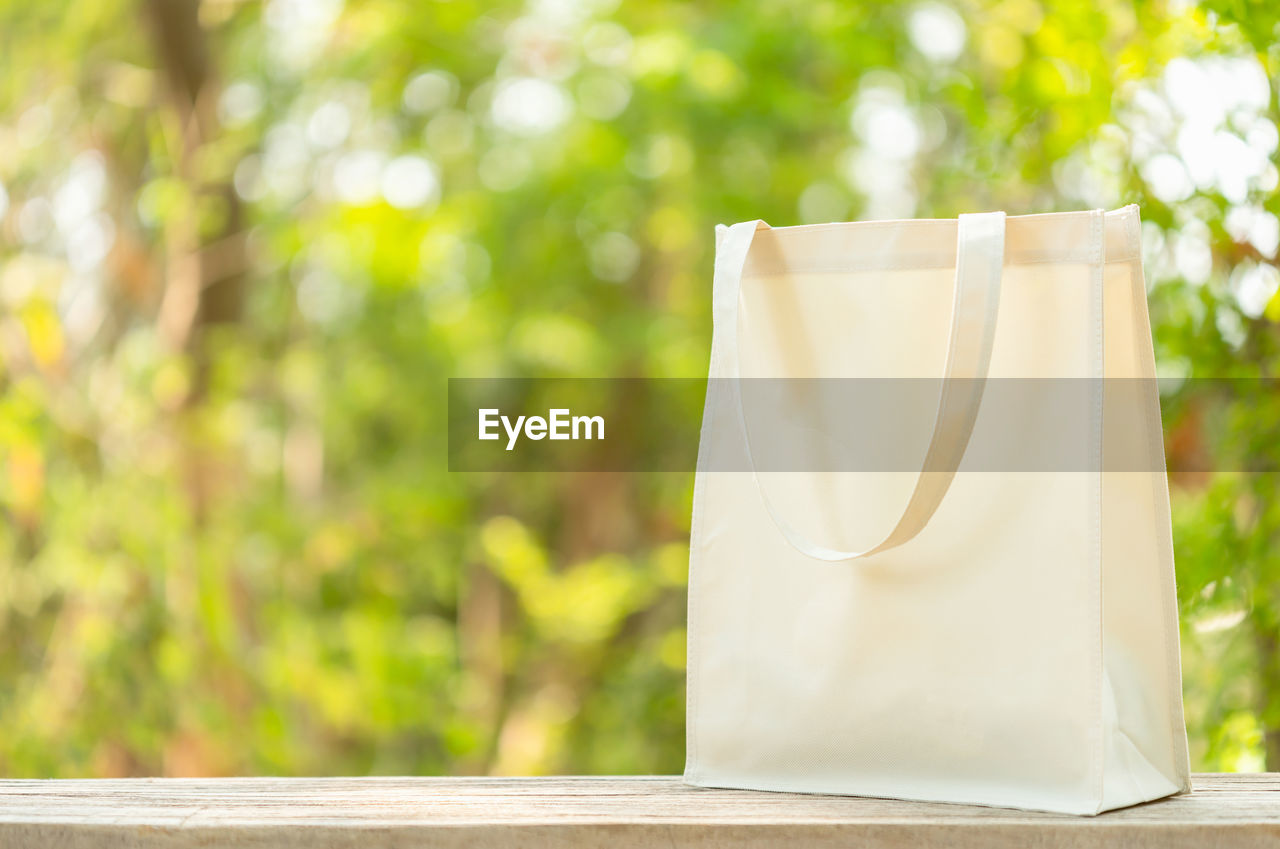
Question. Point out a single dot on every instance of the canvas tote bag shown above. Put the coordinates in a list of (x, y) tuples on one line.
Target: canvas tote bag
[(1003, 638)]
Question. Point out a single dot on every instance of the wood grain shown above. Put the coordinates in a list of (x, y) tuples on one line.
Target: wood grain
[(1224, 810)]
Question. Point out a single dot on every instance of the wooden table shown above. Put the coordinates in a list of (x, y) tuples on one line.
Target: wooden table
[(614, 812)]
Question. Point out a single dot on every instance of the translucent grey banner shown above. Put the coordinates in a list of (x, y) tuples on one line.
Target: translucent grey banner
[(852, 425)]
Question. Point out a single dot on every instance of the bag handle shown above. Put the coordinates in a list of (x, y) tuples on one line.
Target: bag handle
[(979, 263)]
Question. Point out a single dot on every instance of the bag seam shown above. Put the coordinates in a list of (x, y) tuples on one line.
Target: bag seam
[(1097, 370), (692, 763), (926, 262)]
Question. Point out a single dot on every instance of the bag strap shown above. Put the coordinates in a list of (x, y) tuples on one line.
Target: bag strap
[(979, 263)]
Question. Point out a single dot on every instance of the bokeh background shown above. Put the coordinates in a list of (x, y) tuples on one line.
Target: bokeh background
[(243, 245)]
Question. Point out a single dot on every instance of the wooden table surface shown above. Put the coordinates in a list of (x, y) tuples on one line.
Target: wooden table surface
[(1225, 810)]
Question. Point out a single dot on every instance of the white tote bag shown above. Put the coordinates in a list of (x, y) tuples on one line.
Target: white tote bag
[(994, 637)]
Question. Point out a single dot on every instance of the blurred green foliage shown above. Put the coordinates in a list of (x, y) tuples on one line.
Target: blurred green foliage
[(243, 245)]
